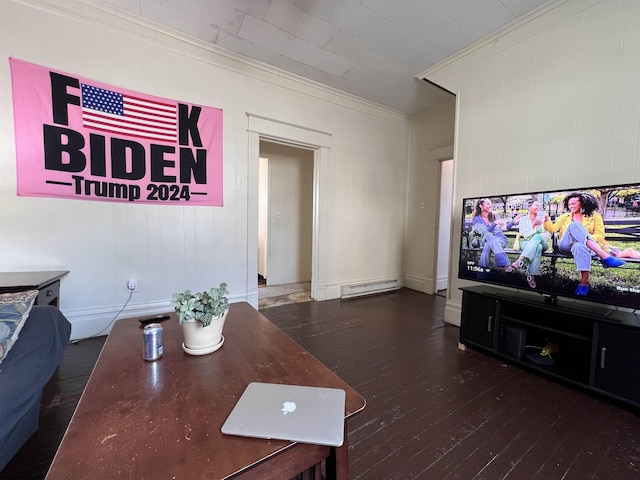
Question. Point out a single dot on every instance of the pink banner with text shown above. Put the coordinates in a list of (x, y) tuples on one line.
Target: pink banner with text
[(82, 139)]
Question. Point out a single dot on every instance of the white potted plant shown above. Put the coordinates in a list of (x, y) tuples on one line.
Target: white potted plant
[(202, 316)]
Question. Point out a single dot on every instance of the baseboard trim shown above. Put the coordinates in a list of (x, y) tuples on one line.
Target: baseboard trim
[(453, 313), (86, 323), (420, 284)]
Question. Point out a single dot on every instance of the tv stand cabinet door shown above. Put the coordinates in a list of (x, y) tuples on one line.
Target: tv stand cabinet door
[(616, 370), (478, 321)]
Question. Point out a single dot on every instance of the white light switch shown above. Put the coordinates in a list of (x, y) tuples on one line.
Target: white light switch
[(422, 205)]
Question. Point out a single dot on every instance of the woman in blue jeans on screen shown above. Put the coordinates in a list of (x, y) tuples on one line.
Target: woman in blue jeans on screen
[(582, 236), (490, 227), (535, 241)]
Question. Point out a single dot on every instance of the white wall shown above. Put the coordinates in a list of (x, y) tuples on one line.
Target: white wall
[(290, 213), (553, 103), (173, 248), (431, 141)]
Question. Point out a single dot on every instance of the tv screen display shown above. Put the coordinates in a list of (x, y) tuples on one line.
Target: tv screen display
[(578, 243)]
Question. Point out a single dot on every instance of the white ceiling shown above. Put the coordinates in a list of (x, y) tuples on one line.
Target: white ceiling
[(370, 48)]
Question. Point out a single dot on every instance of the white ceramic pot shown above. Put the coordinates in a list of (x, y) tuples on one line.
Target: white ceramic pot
[(199, 340)]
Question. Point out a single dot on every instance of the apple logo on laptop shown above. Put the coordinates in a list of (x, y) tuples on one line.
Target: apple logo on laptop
[(288, 407)]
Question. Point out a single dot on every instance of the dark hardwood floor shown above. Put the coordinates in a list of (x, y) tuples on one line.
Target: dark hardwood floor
[(433, 412)]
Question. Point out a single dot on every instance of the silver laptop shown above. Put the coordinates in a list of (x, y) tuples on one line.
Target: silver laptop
[(289, 412)]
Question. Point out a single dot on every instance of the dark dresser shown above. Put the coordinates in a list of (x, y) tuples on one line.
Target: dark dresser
[(48, 283)]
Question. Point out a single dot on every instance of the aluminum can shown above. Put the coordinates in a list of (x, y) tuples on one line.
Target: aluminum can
[(152, 341)]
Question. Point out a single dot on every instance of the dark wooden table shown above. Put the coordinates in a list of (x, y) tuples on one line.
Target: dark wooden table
[(162, 419)]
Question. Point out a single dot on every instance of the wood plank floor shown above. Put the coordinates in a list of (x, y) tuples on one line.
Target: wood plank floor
[(433, 412)]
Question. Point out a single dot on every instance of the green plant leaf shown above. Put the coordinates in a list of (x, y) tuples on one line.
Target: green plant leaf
[(202, 306)]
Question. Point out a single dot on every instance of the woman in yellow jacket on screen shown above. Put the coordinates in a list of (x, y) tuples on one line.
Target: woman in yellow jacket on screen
[(581, 234)]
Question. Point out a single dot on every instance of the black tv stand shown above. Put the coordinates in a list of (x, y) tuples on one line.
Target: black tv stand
[(597, 347)]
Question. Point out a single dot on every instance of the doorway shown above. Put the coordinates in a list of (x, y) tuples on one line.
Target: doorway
[(444, 226), (285, 222), (267, 129)]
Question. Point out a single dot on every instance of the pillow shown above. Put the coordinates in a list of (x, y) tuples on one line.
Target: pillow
[(14, 310)]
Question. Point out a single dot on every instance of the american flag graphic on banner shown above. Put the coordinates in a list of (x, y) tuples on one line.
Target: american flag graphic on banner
[(114, 112)]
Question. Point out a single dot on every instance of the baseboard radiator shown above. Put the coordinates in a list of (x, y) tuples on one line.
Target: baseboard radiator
[(369, 288)]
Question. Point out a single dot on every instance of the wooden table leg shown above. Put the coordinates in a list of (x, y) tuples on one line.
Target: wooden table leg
[(338, 461)]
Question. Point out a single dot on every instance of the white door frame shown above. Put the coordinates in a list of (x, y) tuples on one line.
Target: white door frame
[(264, 128), (444, 224), (263, 220)]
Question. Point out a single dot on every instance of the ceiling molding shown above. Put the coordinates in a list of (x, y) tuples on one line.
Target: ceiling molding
[(97, 13), (533, 20)]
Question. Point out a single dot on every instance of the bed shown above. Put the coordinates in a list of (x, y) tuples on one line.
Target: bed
[(24, 371)]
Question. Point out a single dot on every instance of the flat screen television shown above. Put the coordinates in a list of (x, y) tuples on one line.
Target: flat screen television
[(576, 243)]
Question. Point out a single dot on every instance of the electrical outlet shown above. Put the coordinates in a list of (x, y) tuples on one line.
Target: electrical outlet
[(132, 284)]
